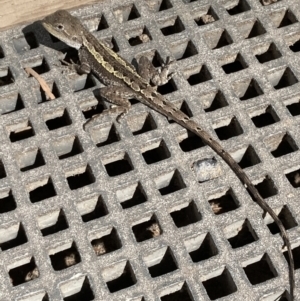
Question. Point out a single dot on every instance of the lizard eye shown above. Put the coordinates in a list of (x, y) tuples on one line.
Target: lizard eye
[(60, 27)]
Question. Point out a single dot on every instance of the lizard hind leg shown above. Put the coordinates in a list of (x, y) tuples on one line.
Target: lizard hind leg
[(158, 76), (119, 97)]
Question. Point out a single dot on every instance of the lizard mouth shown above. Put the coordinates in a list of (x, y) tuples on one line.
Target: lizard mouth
[(60, 35), (48, 28)]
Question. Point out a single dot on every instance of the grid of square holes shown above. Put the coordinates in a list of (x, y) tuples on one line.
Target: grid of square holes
[(142, 209)]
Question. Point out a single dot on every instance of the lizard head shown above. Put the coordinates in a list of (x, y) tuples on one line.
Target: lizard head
[(65, 27)]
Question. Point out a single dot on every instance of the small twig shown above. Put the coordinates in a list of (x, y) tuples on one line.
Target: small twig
[(42, 82)]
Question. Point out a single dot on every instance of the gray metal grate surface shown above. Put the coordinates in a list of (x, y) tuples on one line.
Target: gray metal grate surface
[(142, 210)]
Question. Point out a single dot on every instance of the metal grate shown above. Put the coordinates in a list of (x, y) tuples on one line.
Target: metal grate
[(142, 210)]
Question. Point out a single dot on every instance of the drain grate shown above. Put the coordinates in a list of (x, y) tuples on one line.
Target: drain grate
[(142, 209)]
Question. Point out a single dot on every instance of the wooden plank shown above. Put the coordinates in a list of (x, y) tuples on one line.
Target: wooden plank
[(24, 11)]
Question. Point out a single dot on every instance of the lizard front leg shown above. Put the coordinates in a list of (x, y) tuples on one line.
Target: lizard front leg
[(114, 92), (118, 96)]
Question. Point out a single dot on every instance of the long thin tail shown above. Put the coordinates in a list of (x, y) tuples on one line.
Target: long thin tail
[(189, 124)]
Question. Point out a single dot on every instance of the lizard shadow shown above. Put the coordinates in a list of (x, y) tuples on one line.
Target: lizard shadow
[(36, 35)]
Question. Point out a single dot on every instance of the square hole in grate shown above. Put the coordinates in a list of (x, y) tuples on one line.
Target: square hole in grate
[(92, 208), (2, 55), (52, 222), (233, 64), (138, 36), (282, 78), (267, 53), (126, 13), (93, 107), (114, 44), (42, 96), (160, 262), (183, 106), (294, 107), (118, 165), (11, 102), (239, 6), (30, 159), (296, 255), (222, 280), (286, 217), (259, 269), (153, 57), (182, 293), (197, 75), (159, 5), (206, 17), (185, 214), (201, 247), (7, 201), (131, 196), (71, 54), (155, 152), (80, 177), (31, 40), (20, 131), (83, 82), (281, 144), (64, 256), (25, 43), (188, 141), (172, 26), (6, 77), (217, 38), (2, 170), (183, 49), (214, 101), (67, 146), (240, 234), (230, 129), (295, 45), (106, 242), (58, 119), (119, 276), (11, 236), (251, 29), (264, 118), (266, 187), (223, 202), (38, 64), (95, 23), (169, 182), (293, 177), (41, 190), (104, 134), (23, 271), (146, 229), (246, 156), (141, 123), (167, 88), (77, 289), (283, 17), (247, 88)]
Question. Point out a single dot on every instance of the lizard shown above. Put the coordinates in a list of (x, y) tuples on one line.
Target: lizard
[(123, 81)]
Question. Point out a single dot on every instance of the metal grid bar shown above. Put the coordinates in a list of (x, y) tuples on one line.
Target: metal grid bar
[(141, 210)]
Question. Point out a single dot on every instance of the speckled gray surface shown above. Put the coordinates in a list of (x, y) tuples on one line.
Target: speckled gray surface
[(119, 212)]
